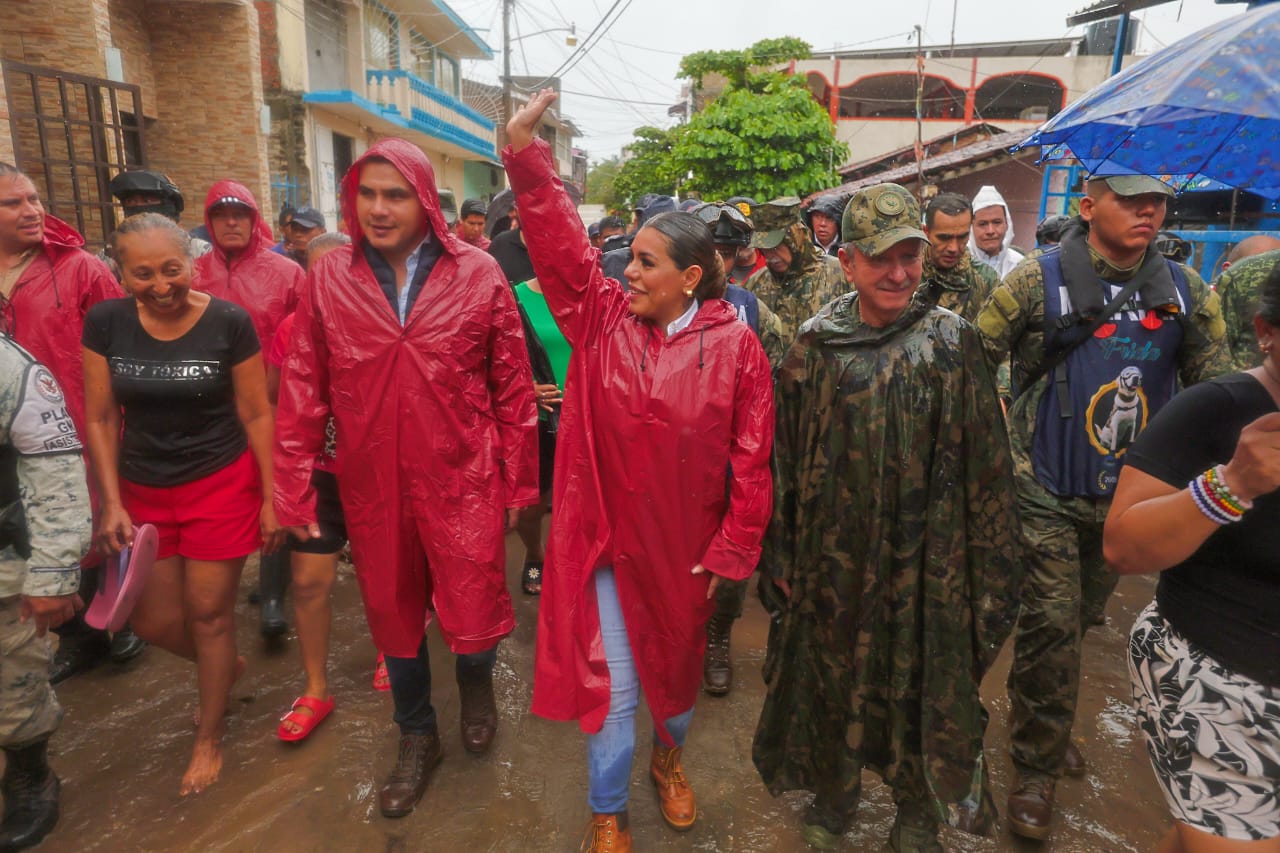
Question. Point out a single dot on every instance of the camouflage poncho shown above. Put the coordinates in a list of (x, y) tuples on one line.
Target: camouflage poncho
[(895, 528), (963, 289), (812, 280), (1238, 289)]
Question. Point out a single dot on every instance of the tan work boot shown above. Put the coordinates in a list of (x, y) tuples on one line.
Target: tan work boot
[(607, 833), (674, 793), (1030, 808)]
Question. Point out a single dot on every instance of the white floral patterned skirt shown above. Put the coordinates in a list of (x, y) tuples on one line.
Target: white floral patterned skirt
[(1213, 734)]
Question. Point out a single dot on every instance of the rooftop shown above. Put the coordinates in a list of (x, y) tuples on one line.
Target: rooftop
[(1040, 47)]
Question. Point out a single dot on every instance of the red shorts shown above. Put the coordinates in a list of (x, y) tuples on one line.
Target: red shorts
[(213, 518)]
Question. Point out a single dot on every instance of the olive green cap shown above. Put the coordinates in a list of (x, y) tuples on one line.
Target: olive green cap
[(880, 217), (772, 220), (1131, 185)]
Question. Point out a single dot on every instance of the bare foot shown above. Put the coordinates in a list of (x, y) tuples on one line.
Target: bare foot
[(241, 666), (206, 764)]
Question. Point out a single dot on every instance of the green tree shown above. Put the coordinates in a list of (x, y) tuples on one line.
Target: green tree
[(601, 179), (651, 167), (764, 135)]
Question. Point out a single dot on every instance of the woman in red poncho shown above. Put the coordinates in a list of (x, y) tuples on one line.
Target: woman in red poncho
[(662, 480)]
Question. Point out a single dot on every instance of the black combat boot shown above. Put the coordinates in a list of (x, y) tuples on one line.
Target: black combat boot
[(273, 578), (30, 790), (717, 671)]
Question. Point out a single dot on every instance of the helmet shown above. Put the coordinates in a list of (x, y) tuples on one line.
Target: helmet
[(1172, 246), (1050, 228), (728, 225), (144, 181)]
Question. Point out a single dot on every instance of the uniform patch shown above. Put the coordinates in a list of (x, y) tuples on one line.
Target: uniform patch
[(890, 204), (46, 386), (42, 423)]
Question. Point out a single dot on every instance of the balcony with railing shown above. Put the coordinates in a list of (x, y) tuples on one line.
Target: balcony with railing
[(397, 101)]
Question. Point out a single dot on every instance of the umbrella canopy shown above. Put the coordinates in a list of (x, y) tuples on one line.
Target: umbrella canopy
[(1203, 111)]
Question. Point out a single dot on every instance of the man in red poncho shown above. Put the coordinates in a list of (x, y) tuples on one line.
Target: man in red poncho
[(49, 282), (242, 268), (411, 339)]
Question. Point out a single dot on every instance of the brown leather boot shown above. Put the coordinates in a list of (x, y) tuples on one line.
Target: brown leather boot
[(1030, 808), (479, 713), (717, 671), (1073, 762), (674, 794), (419, 755), (607, 833)]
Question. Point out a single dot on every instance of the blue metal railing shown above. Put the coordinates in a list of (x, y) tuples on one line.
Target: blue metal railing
[(422, 87)]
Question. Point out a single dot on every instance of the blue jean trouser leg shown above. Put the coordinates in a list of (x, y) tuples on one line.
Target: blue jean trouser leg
[(610, 751), (411, 685)]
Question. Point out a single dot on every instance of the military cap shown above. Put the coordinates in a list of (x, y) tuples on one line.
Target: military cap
[(772, 220), (1130, 185), (880, 217)]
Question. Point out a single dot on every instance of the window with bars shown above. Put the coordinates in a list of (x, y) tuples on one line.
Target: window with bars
[(433, 65), (423, 53), (381, 37)]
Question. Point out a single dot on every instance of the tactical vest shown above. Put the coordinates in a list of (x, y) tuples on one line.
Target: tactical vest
[(1106, 391), (746, 304)]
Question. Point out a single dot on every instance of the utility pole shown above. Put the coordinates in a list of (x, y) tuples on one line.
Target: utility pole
[(919, 116), (506, 73)]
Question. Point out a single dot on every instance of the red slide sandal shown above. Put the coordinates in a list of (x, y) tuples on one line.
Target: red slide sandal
[(304, 723)]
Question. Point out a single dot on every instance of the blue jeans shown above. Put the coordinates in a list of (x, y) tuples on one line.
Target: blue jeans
[(411, 686), (610, 750)]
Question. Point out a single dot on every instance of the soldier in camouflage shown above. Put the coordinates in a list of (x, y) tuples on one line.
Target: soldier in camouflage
[(797, 278), (891, 565), (1238, 287), (1069, 431), (951, 279), (44, 530)]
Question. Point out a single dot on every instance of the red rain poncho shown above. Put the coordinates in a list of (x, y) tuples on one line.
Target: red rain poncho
[(435, 420), (48, 304), (649, 430), (261, 282)]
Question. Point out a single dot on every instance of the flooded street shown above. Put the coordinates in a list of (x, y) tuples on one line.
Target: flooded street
[(127, 736)]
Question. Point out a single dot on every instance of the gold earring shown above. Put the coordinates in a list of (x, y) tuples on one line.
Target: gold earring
[(688, 293)]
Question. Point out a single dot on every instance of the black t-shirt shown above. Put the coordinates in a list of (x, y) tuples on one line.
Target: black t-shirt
[(512, 256), (1225, 597), (180, 419)]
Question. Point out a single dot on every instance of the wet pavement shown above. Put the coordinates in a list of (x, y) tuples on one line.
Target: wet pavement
[(127, 736)]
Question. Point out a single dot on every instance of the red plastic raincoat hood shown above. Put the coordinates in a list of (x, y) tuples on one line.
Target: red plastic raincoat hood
[(416, 168), (48, 304), (257, 279), (262, 237)]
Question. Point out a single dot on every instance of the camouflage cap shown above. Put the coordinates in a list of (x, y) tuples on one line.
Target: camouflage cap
[(772, 220), (880, 217)]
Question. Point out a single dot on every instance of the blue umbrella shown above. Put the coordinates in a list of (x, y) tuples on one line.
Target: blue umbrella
[(1200, 114)]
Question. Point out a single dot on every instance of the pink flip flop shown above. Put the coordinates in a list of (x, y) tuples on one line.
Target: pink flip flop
[(123, 578)]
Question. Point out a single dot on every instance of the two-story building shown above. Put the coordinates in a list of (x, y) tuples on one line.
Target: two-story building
[(376, 68), (556, 128), (281, 95), (871, 94)]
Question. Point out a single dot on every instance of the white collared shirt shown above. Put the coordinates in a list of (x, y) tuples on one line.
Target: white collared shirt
[(410, 268), (683, 320)]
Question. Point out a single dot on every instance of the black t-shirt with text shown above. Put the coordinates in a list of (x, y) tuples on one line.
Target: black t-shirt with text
[(1225, 597), (180, 418)]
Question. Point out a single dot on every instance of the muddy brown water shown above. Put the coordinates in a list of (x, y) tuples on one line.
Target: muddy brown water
[(126, 739)]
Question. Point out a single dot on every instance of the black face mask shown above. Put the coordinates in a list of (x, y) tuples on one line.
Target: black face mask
[(164, 208)]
